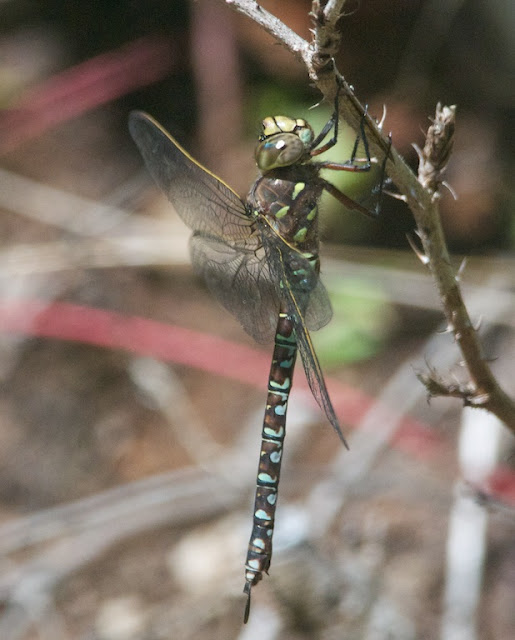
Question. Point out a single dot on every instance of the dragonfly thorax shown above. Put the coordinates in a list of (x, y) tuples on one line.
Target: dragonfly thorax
[(284, 141)]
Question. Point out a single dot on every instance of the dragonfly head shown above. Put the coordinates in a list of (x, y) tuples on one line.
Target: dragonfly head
[(283, 142)]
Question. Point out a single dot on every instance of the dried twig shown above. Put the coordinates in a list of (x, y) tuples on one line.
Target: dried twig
[(482, 390), (420, 194)]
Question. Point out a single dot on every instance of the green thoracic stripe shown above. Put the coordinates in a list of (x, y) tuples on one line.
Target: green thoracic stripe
[(300, 236), (282, 212), (312, 214), (298, 189)]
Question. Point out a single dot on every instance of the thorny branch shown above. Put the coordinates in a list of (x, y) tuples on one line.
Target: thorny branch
[(421, 195), (483, 390)]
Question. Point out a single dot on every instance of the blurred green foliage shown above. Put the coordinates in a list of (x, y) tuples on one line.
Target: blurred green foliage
[(363, 318)]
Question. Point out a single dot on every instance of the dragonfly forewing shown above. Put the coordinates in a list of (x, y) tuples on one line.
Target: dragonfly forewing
[(204, 202)]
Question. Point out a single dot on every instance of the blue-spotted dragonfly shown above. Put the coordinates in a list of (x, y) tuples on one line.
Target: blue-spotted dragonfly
[(259, 257)]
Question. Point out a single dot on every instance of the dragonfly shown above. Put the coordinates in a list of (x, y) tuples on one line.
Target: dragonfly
[(259, 256)]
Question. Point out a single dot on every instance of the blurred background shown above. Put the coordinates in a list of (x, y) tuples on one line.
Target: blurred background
[(131, 403)]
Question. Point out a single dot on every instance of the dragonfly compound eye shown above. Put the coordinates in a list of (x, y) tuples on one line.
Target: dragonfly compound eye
[(279, 150)]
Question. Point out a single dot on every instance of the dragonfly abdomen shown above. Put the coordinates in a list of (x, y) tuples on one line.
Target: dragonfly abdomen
[(269, 470)]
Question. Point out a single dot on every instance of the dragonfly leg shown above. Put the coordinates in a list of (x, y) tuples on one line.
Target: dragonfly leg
[(363, 136), (383, 176), (352, 164), (332, 123), (346, 201), (349, 202)]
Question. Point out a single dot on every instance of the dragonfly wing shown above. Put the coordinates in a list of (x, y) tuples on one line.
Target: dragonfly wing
[(315, 376), (241, 281), (310, 361), (295, 271), (318, 308), (202, 200)]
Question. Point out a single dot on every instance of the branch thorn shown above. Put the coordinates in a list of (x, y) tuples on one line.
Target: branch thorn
[(420, 254)]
